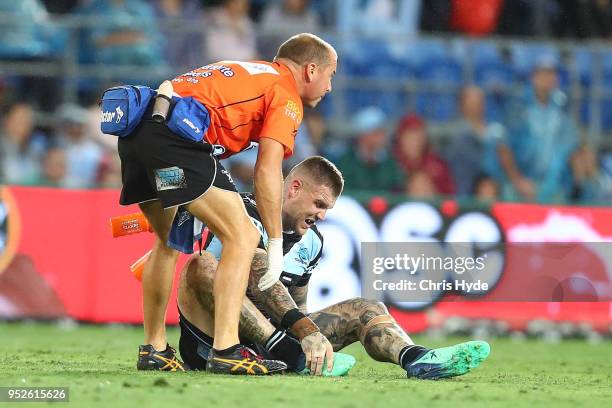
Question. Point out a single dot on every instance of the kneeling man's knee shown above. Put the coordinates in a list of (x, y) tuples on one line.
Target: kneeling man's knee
[(259, 266), (200, 270)]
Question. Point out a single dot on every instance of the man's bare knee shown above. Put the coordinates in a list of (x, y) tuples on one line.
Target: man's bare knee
[(369, 309), (372, 313), (199, 272), (245, 237)]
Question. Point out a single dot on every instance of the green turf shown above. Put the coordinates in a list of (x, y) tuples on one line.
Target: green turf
[(98, 364)]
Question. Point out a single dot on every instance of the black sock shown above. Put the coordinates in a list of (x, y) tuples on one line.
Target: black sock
[(287, 349), (228, 350), (411, 353)]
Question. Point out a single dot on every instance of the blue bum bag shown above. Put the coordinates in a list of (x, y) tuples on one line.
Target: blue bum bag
[(189, 118), (123, 108), (186, 230)]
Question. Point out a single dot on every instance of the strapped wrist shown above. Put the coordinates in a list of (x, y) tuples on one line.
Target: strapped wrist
[(275, 241), (299, 324), (291, 317)]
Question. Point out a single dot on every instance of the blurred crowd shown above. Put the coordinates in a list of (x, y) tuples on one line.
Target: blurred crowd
[(535, 153), (532, 151)]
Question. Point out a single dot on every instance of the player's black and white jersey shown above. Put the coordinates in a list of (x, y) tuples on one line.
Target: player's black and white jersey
[(302, 252)]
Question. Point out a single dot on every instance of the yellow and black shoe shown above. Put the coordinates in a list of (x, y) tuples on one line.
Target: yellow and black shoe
[(151, 359), (241, 360)]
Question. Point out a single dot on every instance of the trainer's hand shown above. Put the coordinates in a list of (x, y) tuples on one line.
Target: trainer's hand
[(317, 349), (275, 264)]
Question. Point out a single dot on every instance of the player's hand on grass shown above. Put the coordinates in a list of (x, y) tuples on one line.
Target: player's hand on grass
[(318, 350), (275, 264)]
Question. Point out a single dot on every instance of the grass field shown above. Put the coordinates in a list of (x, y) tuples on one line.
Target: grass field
[(97, 363)]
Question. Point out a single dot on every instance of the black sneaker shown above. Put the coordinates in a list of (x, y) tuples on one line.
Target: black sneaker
[(151, 359), (243, 361)]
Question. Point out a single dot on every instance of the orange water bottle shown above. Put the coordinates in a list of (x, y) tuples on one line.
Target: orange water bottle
[(129, 224)]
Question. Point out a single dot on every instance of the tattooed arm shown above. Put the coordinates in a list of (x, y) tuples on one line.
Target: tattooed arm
[(275, 301), (299, 295)]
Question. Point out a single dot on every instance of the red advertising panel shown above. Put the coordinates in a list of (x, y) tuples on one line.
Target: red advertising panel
[(58, 257)]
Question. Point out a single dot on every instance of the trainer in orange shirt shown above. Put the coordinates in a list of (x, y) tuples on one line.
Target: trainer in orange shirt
[(248, 102)]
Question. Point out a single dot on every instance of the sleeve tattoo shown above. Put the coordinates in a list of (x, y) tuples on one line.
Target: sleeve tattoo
[(275, 301), (299, 295)]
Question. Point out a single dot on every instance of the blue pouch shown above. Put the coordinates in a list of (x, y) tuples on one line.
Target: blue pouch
[(186, 230), (123, 108), (189, 119)]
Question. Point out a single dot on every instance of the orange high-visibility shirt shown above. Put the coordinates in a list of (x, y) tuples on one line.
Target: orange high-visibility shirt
[(246, 101)]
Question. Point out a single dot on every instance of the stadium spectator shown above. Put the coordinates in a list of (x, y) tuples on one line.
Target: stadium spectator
[(53, 168), (127, 33), (587, 181), (282, 20), (28, 35), (475, 17), (419, 185), (83, 155), (415, 154), (541, 140), (317, 129), (181, 23), (486, 188), (109, 175), (27, 32), (108, 143), (327, 12), (474, 142), (323, 141), (367, 164), (379, 16), (231, 32), (21, 146)]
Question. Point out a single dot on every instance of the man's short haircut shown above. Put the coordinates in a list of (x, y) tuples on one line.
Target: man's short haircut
[(321, 171), (305, 48)]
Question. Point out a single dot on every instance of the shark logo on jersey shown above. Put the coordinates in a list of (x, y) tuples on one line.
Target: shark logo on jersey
[(302, 256)]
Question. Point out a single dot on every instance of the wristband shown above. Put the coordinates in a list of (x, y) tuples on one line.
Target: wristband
[(291, 317), (298, 323)]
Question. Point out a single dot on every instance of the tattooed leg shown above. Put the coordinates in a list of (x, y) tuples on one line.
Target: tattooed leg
[(195, 299), (195, 292), (363, 320)]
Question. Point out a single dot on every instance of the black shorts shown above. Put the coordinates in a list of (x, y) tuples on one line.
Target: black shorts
[(157, 164), (195, 345)]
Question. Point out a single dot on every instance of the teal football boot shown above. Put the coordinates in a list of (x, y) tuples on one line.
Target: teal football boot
[(446, 362)]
